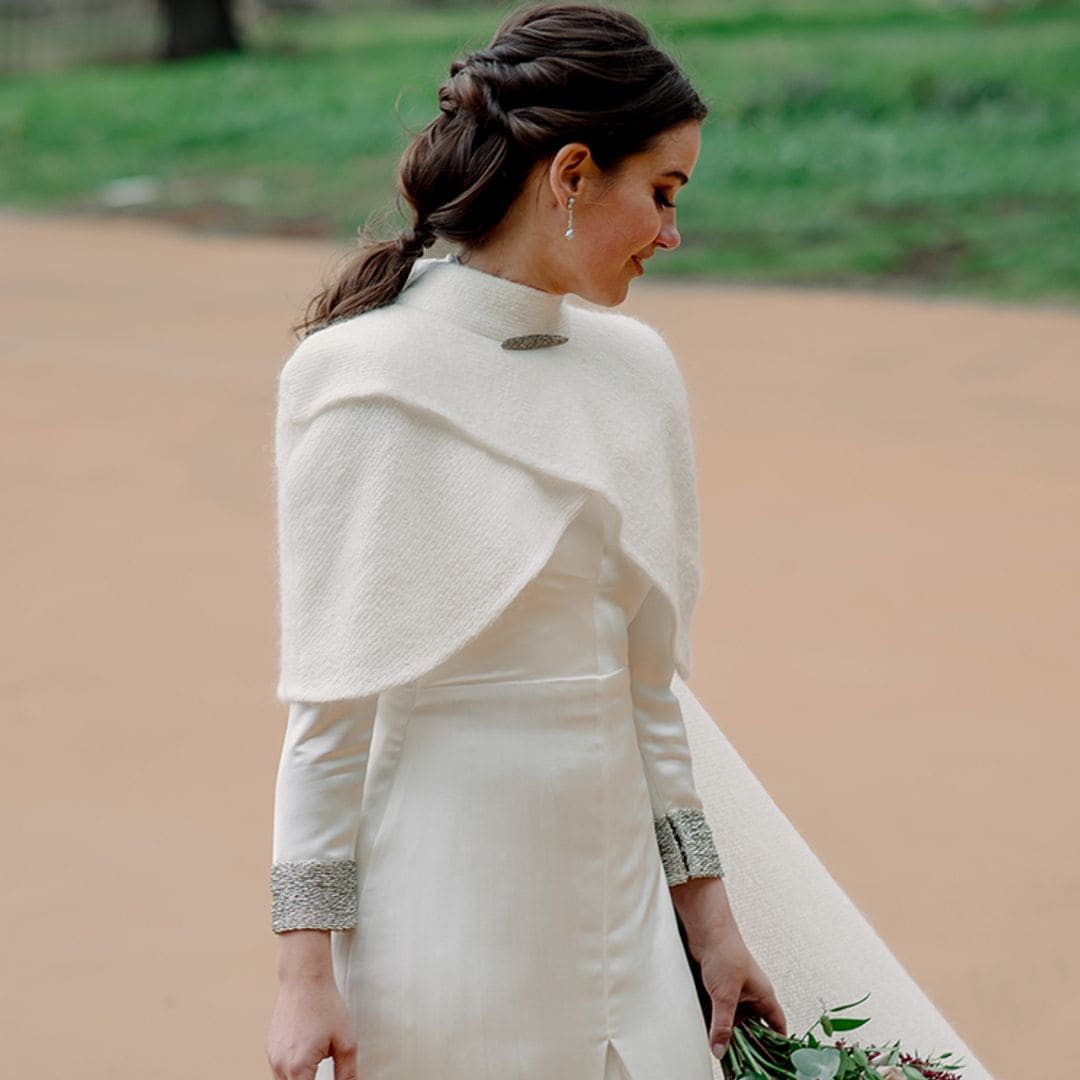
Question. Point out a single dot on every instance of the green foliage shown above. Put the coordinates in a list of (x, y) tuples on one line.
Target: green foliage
[(919, 145), (756, 1052)]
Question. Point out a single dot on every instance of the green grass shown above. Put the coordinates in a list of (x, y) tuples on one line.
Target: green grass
[(854, 142)]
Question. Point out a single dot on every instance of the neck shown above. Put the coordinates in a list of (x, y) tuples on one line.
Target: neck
[(486, 303)]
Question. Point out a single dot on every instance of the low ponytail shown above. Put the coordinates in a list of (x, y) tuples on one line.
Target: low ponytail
[(373, 278), (553, 73)]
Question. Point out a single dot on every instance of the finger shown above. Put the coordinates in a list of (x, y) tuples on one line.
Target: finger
[(768, 1009), (345, 1060), (760, 996), (723, 1017), (300, 1072), (274, 1070), (775, 1016)]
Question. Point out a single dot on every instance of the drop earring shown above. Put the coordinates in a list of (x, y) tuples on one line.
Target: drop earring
[(569, 234)]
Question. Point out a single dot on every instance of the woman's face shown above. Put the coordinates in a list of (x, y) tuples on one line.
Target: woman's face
[(620, 220)]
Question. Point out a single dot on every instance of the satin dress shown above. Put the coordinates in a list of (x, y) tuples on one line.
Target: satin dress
[(514, 920)]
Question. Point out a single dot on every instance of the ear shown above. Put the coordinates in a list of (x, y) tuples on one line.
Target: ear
[(571, 166)]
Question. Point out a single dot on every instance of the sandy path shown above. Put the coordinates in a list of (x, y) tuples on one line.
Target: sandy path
[(891, 515)]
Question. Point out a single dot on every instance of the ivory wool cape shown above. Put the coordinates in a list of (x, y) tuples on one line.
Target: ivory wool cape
[(402, 540), (365, 559)]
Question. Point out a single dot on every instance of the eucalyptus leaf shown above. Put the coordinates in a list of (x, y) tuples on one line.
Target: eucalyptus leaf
[(816, 1064)]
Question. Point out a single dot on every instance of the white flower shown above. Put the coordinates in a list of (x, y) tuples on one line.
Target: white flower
[(891, 1072)]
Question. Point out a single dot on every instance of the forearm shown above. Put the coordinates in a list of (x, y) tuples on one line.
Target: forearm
[(683, 836), (685, 840), (704, 909), (317, 800), (304, 956)]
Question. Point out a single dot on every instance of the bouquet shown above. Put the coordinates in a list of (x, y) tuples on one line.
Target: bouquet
[(756, 1052)]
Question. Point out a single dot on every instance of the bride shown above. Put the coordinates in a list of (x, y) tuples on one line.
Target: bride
[(509, 842)]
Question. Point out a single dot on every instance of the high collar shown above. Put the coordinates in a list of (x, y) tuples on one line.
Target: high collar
[(493, 306)]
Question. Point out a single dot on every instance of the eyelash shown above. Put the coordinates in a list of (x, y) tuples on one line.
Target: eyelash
[(661, 201)]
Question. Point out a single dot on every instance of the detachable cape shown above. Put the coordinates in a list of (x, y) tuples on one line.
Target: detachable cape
[(425, 474)]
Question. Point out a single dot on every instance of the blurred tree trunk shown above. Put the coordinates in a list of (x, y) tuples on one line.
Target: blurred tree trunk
[(197, 27)]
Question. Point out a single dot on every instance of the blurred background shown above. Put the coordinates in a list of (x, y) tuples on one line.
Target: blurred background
[(876, 306), (930, 145)]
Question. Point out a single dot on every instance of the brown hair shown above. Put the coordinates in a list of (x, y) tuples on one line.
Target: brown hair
[(552, 74)]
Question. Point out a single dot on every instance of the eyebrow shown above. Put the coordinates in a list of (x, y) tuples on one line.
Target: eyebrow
[(678, 176)]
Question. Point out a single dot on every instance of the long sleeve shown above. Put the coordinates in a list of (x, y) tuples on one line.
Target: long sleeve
[(320, 782), (687, 848)]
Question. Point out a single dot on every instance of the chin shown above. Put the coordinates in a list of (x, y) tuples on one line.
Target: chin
[(611, 297), (605, 285)]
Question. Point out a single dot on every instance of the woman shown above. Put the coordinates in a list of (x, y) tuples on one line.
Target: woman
[(490, 857)]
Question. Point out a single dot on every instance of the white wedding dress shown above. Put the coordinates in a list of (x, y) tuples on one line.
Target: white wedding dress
[(513, 913), (492, 844)]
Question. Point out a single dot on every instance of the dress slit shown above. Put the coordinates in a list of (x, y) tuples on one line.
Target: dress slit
[(614, 1066)]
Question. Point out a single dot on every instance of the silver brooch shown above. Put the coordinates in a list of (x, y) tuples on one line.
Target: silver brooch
[(534, 341)]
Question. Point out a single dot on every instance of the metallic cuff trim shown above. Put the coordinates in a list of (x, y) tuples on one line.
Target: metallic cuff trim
[(686, 844), (313, 895)]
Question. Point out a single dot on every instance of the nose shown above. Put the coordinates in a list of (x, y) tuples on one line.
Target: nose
[(669, 237)]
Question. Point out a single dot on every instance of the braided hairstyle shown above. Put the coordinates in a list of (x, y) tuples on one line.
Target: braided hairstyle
[(553, 73)]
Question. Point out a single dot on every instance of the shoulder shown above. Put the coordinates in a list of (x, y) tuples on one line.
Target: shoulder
[(345, 359), (629, 332), (640, 352), (624, 329)]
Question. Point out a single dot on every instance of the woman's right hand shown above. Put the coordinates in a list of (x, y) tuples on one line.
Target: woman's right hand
[(310, 1022)]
